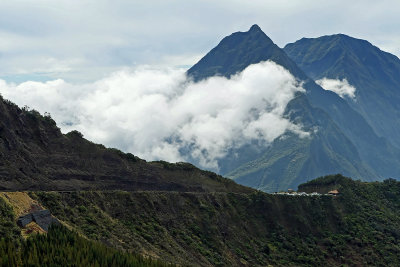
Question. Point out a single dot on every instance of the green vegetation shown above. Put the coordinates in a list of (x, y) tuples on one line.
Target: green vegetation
[(8, 227), (177, 213), (9, 236), (358, 227), (61, 247)]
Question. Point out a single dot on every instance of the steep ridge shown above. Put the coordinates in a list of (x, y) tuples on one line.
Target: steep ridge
[(237, 51), (374, 73), (291, 160), (366, 157), (35, 155)]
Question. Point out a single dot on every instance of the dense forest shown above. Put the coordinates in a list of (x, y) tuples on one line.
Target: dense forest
[(62, 247), (59, 247)]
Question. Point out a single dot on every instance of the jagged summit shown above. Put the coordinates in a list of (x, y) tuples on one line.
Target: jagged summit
[(255, 28), (237, 51)]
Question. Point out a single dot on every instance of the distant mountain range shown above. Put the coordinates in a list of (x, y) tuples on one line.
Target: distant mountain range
[(356, 137)]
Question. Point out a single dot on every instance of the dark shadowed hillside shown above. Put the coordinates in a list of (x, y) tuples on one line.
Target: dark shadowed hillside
[(34, 155), (237, 51)]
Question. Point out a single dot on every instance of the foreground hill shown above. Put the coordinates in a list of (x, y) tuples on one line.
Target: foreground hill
[(35, 155), (360, 227)]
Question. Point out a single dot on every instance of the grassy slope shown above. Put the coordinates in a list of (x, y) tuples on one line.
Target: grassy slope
[(8, 228), (228, 229)]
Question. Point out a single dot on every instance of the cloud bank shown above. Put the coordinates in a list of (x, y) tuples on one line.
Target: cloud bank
[(161, 114), (340, 87)]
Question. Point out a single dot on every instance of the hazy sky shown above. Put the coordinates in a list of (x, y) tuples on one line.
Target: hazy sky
[(85, 40)]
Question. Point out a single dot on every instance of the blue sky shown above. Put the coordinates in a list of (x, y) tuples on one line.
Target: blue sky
[(82, 41)]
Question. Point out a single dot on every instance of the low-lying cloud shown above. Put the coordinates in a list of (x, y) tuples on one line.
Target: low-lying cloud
[(340, 87), (161, 114)]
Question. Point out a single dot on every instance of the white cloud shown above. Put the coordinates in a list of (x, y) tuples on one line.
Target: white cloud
[(160, 114), (340, 87)]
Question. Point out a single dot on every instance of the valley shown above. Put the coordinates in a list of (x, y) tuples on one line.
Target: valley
[(65, 200)]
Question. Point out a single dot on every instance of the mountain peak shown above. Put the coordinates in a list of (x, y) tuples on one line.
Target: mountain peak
[(335, 56), (340, 35), (255, 28), (333, 40), (237, 51), (373, 72)]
